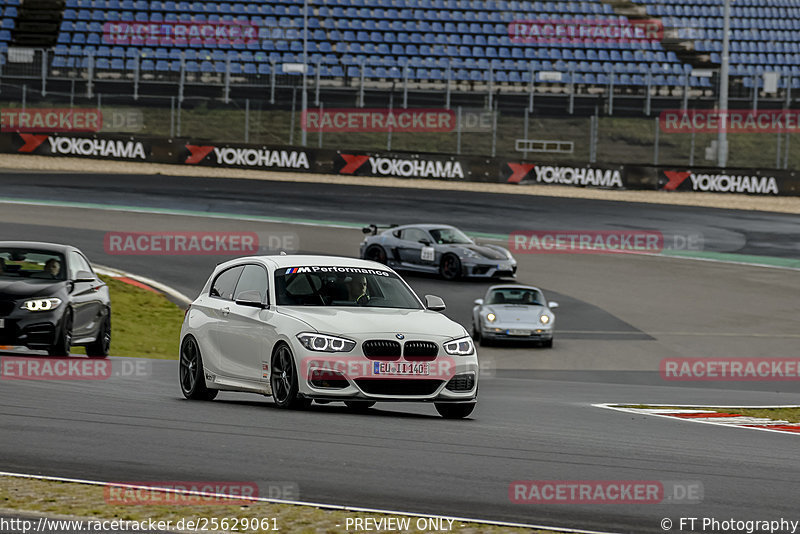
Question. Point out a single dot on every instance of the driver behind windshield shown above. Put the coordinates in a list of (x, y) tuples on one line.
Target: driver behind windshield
[(530, 298), (52, 267), (357, 288)]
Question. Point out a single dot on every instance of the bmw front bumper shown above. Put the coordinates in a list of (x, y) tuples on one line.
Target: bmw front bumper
[(353, 376), (34, 330)]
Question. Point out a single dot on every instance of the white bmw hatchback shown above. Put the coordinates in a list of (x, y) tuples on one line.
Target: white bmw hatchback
[(322, 328)]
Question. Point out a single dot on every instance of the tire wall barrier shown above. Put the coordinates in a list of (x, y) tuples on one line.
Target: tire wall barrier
[(186, 151)]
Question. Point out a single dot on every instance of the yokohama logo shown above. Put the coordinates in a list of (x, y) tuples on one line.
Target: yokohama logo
[(249, 157), (406, 168), (722, 183), (76, 146), (565, 175)]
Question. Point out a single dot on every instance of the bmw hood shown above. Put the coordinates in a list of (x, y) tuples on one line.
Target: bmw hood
[(18, 288), (362, 322)]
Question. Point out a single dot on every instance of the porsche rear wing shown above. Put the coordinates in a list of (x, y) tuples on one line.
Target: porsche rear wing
[(372, 229)]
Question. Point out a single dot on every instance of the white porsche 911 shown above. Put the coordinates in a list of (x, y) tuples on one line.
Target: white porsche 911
[(303, 328), (514, 312)]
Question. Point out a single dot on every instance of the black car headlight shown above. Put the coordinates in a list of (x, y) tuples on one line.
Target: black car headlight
[(460, 347), (37, 305), (323, 343)]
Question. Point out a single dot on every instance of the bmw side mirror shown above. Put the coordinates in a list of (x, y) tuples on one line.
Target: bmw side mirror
[(251, 299), (434, 303), (479, 302), (84, 276), (552, 304)]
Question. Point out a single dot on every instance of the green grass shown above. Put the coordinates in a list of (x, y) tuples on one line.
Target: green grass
[(143, 323), (88, 502), (784, 414)]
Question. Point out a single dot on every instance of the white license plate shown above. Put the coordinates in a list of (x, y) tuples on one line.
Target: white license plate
[(2, 323), (519, 332), (401, 368)]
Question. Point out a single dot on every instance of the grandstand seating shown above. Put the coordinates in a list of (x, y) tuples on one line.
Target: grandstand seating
[(429, 40)]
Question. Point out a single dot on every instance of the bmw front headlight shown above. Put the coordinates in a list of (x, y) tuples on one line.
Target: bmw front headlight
[(36, 305), (460, 347), (323, 343)]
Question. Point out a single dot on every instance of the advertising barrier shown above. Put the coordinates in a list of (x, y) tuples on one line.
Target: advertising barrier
[(763, 182)]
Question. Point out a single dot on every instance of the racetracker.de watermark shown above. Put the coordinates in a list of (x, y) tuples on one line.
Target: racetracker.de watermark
[(321, 369), (605, 491), (730, 369), (198, 243), (51, 120), (197, 493), (71, 368), (731, 121), (570, 31), (601, 241), (180, 33), (378, 120)]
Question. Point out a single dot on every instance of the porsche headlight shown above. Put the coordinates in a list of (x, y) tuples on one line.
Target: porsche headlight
[(491, 317), (544, 319), (36, 305), (468, 253), (460, 347), (323, 343)]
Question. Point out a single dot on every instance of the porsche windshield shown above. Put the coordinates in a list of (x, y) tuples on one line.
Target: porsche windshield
[(36, 264), (529, 297), (342, 286), (450, 236)]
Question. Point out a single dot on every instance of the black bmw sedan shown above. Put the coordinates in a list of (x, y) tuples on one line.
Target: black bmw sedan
[(51, 299)]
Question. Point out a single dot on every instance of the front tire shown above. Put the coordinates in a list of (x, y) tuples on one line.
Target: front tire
[(450, 268), (193, 383), (283, 380), (101, 346), (375, 253), (63, 342), (476, 332), (454, 411)]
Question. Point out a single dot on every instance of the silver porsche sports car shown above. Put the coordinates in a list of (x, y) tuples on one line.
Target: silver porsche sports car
[(514, 312), (436, 248)]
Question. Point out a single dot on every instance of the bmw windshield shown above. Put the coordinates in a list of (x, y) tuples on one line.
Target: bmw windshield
[(36, 264), (342, 286)]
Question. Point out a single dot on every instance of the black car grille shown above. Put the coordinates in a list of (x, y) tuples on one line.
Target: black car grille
[(381, 349), (324, 379), (6, 307), (8, 335), (420, 350), (39, 335), (407, 386), (461, 383)]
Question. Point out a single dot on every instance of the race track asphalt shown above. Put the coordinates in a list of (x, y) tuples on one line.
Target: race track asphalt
[(620, 315)]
